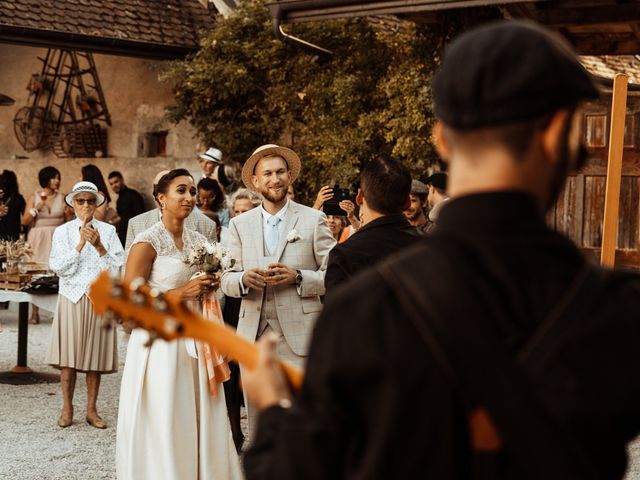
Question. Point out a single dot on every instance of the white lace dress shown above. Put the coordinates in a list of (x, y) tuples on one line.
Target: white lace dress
[(169, 426)]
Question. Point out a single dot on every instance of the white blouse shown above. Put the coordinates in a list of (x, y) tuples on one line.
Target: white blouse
[(77, 270)]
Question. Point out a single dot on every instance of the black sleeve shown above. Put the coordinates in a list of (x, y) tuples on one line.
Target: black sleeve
[(21, 204), (336, 273), (138, 204), (222, 177)]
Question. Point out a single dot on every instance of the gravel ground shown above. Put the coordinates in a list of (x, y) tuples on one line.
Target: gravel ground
[(33, 447)]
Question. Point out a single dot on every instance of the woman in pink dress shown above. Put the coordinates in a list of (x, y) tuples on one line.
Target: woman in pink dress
[(45, 211)]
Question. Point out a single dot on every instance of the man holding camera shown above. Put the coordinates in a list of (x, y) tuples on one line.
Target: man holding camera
[(385, 184), (281, 249)]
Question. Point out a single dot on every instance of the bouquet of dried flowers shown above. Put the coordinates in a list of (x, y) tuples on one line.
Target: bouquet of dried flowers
[(211, 258), (15, 249)]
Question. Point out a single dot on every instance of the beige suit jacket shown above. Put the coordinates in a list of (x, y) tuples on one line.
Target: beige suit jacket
[(195, 221), (297, 312)]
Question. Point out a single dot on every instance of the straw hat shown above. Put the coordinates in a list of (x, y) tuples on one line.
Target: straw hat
[(84, 187), (291, 157)]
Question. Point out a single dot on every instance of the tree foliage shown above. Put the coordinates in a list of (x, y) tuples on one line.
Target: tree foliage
[(244, 88)]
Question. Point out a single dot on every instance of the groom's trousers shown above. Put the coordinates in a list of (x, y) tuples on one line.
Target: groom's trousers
[(269, 323)]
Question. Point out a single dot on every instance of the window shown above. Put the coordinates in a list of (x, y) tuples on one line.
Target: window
[(630, 131), (596, 130), (153, 144)]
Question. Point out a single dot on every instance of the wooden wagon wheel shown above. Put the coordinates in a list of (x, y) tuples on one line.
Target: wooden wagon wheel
[(30, 127)]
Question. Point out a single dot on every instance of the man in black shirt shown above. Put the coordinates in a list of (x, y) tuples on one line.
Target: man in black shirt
[(492, 276), (129, 204), (385, 184)]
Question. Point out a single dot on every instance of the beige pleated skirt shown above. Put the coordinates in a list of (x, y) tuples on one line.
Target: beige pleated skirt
[(79, 341)]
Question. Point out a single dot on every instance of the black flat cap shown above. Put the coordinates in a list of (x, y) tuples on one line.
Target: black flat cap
[(508, 72), (438, 180)]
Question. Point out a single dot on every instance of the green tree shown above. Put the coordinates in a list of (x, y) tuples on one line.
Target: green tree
[(244, 88)]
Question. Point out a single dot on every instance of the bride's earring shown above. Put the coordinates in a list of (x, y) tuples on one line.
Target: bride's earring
[(162, 205)]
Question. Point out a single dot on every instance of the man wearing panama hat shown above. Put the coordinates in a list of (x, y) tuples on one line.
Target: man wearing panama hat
[(281, 251), (212, 166)]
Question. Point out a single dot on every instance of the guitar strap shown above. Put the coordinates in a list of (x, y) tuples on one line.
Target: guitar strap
[(506, 420)]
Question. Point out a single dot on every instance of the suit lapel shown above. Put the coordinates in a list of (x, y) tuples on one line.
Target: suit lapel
[(255, 223), (290, 220)]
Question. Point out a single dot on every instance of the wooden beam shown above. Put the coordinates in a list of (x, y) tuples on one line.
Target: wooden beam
[(595, 15), (599, 44), (312, 10), (614, 171), (624, 258)]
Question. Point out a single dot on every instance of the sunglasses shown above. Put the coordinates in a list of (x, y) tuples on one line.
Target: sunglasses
[(82, 201)]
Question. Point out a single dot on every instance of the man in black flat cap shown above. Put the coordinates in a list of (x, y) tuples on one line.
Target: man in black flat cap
[(524, 357)]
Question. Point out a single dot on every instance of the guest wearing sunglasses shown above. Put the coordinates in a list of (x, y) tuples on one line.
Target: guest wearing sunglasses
[(81, 250)]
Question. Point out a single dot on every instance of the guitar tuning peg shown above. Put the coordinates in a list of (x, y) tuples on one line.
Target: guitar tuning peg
[(172, 326), (153, 336), (136, 283), (154, 293), (138, 298), (160, 304), (116, 291)]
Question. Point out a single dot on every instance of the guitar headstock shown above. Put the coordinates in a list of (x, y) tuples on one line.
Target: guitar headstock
[(138, 306)]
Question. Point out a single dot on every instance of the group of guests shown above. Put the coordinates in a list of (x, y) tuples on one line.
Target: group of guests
[(44, 210), (288, 256), (282, 250)]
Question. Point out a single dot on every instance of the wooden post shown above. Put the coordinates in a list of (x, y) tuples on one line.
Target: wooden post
[(614, 171)]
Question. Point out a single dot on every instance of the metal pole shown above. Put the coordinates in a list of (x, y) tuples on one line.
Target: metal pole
[(23, 334), (614, 171)]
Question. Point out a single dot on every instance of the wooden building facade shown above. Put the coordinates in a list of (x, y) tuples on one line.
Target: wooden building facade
[(579, 211)]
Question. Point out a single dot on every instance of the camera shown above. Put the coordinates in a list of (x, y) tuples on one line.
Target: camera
[(331, 206)]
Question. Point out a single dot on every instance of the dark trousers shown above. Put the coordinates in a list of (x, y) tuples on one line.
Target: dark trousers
[(232, 391)]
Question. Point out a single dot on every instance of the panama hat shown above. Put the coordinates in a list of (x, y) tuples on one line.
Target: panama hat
[(84, 187), (212, 155), (269, 150)]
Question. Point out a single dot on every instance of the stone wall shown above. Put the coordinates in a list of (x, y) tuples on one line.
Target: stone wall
[(136, 101)]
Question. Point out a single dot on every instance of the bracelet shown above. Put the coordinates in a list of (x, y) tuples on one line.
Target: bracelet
[(33, 212), (284, 403)]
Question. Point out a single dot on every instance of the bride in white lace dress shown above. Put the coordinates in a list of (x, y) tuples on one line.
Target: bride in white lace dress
[(169, 425)]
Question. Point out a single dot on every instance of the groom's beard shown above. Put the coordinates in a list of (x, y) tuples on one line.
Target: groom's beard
[(266, 193)]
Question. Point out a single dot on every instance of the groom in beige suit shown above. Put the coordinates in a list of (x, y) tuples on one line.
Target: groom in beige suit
[(281, 250)]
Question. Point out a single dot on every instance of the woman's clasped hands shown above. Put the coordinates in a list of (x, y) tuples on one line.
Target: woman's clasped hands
[(201, 285)]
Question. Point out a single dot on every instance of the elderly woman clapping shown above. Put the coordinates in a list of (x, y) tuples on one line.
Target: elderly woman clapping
[(81, 249)]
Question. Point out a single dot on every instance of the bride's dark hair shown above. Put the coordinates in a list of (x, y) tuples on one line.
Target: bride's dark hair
[(167, 178)]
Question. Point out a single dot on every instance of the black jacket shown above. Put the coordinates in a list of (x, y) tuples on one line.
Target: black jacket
[(10, 223), (375, 405), (129, 204), (373, 242)]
